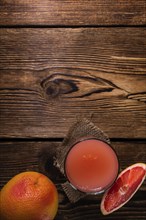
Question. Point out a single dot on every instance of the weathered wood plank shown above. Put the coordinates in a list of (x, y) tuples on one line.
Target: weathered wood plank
[(47, 103), (50, 76), (109, 50), (17, 157), (87, 12)]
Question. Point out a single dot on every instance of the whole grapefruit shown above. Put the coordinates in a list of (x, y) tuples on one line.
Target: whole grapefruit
[(29, 196)]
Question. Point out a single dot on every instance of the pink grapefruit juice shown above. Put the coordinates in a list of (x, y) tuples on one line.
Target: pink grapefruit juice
[(91, 166)]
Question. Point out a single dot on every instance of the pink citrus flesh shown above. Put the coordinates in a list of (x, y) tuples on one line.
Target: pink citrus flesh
[(126, 185)]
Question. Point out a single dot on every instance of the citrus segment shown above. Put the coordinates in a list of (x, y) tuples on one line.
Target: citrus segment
[(127, 183)]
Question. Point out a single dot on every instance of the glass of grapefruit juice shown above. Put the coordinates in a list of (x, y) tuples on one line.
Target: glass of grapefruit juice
[(91, 166)]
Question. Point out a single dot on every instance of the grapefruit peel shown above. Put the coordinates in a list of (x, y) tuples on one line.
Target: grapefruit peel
[(122, 194)]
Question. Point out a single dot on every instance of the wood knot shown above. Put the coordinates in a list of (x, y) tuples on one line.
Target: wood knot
[(78, 85), (52, 89), (57, 85)]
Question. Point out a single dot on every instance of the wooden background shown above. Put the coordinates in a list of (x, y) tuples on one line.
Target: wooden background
[(60, 60)]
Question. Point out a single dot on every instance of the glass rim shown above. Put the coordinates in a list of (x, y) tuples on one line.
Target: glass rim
[(107, 186)]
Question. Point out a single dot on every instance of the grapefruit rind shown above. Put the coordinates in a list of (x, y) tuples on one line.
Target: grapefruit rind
[(103, 210)]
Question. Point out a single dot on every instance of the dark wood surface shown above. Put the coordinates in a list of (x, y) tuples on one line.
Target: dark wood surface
[(60, 60), (59, 73), (72, 12), (37, 156)]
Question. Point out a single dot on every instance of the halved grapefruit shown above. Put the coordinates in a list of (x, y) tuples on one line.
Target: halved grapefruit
[(126, 185)]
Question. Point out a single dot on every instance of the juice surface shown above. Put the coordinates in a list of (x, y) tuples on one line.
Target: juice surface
[(91, 166)]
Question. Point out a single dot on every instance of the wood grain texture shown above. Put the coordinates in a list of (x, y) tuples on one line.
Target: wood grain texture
[(47, 103), (109, 50), (49, 77), (72, 12), (17, 157)]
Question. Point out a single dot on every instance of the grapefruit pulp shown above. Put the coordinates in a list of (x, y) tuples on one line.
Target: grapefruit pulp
[(127, 183)]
